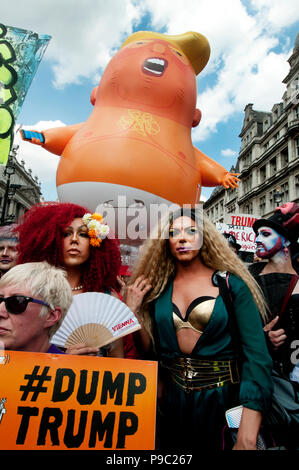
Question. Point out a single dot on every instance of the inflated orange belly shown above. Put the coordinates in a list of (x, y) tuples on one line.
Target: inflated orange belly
[(136, 149)]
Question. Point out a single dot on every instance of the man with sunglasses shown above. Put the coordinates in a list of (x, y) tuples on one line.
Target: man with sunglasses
[(34, 298)]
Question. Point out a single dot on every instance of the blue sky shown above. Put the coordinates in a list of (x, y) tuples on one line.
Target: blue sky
[(250, 43)]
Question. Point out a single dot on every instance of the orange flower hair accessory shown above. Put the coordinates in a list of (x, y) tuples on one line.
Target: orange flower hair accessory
[(97, 230)]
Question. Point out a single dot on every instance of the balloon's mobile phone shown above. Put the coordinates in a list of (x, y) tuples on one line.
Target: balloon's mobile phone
[(29, 135)]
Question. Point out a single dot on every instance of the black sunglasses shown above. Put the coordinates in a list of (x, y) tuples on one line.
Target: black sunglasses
[(16, 304)]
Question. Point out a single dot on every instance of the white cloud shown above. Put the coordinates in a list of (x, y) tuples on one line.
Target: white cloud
[(83, 33), (257, 80), (248, 67), (228, 153), (249, 47), (86, 33), (276, 14)]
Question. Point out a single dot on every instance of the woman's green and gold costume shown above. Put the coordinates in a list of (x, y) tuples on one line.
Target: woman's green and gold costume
[(193, 418)]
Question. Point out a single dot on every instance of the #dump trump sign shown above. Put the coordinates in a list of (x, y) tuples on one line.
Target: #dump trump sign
[(53, 401)]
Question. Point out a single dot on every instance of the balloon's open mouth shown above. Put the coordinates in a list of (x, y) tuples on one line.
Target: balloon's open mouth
[(154, 66)]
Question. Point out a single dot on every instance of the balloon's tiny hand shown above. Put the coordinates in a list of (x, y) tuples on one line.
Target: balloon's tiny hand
[(230, 180), (35, 137)]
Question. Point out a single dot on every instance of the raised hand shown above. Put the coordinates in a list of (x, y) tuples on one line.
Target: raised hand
[(32, 136), (135, 293), (277, 337), (230, 180), (82, 349)]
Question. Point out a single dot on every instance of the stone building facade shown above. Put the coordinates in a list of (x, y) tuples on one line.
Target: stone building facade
[(19, 191), (268, 160)]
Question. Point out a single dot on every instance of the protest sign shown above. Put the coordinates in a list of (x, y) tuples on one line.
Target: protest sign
[(60, 401), (240, 225), (240, 220), (245, 236), (20, 54)]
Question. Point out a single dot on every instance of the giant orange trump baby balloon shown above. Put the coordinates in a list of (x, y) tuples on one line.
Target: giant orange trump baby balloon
[(137, 140)]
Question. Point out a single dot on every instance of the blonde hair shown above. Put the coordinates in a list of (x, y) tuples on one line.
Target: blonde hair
[(194, 45), (157, 264), (46, 282)]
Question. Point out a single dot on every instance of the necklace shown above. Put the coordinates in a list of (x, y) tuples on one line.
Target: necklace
[(77, 288)]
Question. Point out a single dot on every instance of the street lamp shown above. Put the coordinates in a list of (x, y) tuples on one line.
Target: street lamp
[(277, 198), (9, 170)]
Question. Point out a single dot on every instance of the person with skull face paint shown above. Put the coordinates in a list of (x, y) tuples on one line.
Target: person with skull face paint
[(276, 241)]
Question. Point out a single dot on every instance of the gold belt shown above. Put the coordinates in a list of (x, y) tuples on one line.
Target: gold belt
[(199, 374)]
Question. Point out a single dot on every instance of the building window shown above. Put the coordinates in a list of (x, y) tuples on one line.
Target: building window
[(273, 166), (297, 185), (284, 189), (262, 174), (247, 184), (247, 209), (262, 205), (248, 158), (297, 147), (271, 199), (284, 158), (297, 112)]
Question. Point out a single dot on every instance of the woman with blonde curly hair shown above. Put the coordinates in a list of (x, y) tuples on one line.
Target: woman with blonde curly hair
[(200, 308)]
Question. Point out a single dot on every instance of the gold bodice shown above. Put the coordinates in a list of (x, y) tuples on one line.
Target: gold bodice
[(197, 316)]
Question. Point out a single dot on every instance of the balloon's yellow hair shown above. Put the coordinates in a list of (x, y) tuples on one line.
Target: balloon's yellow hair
[(195, 46)]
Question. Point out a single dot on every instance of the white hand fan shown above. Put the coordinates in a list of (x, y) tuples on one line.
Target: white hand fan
[(95, 319)]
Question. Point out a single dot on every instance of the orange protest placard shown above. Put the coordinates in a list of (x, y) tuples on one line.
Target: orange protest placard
[(57, 401)]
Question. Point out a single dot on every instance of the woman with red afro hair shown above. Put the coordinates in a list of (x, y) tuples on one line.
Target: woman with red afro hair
[(56, 232), (42, 232)]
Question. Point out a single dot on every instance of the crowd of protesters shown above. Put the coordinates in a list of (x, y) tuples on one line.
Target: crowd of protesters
[(217, 327)]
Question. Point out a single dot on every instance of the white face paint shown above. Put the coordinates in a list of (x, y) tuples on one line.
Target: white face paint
[(184, 239), (269, 242)]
